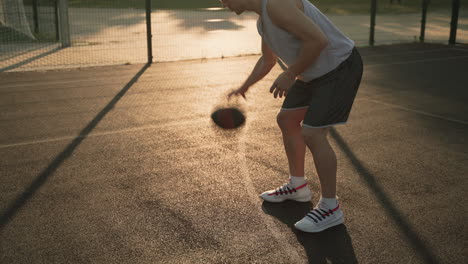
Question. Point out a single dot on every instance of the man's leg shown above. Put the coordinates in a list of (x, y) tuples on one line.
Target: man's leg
[(289, 122), (324, 159), (296, 189), (327, 213)]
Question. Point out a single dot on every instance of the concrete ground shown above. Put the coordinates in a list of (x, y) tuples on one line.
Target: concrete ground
[(123, 165), (118, 36)]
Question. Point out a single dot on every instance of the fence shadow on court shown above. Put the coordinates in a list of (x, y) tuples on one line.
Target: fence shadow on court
[(12, 209), (333, 245), (393, 213), (21, 49), (29, 60)]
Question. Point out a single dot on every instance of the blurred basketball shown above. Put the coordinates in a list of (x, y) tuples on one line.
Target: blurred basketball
[(228, 118)]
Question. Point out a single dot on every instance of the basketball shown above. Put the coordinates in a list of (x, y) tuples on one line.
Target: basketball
[(228, 118)]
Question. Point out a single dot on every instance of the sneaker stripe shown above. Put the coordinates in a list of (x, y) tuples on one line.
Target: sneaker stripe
[(316, 215), (288, 191), (331, 211), (302, 186), (311, 217)]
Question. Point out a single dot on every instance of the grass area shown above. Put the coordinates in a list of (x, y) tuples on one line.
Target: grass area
[(327, 6)]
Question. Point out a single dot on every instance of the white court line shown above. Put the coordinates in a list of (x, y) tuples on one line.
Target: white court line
[(99, 134), (415, 61), (195, 121), (415, 111), (460, 49), (255, 199), (248, 184)]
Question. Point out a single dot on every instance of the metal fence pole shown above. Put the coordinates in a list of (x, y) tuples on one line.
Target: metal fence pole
[(454, 22), (372, 22), (64, 24), (425, 5), (149, 34), (35, 16), (56, 18)]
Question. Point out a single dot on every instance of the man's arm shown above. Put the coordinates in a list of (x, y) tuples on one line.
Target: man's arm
[(264, 65)]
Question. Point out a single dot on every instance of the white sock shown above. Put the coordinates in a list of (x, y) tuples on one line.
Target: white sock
[(297, 181), (328, 203)]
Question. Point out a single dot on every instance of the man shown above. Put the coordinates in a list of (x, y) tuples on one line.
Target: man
[(320, 83)]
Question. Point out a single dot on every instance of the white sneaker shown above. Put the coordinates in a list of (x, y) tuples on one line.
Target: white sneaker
[(320, 219), (288, 192)]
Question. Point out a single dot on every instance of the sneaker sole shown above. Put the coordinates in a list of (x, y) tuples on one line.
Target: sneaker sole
[(307, 199), (338, 221)]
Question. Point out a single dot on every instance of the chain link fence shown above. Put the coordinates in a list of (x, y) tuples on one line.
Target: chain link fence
[(74, 34), (83, 33), (26, 28), (402, 21)]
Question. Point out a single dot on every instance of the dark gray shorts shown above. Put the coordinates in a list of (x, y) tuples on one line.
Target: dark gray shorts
[(329, 97)]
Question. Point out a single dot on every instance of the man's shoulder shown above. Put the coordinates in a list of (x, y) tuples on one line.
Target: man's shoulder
[(280, 11), (281, 3)]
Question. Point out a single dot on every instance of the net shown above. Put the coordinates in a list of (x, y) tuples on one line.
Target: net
[(13, 15), (81, 33)]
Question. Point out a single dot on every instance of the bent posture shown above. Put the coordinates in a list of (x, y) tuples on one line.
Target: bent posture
[(323, 74)]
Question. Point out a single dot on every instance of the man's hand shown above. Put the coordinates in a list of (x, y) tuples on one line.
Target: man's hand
[(283, 83), (241, 91)]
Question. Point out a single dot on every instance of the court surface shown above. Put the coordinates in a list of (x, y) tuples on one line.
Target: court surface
[(122, 164)]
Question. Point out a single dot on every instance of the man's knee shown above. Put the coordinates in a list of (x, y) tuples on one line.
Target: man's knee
[(281, 119), (314, 135), (289, 119)]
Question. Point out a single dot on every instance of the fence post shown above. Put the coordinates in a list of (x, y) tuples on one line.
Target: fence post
[(64, 24), (372, 22), (454, 22), (149, 34), (56, 18), (35, 16), (425, 5)]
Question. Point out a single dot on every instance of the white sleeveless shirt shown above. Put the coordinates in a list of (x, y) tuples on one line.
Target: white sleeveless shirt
[(287, 47)]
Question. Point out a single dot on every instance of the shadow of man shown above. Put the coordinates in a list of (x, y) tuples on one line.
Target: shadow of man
[(330, 246)]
